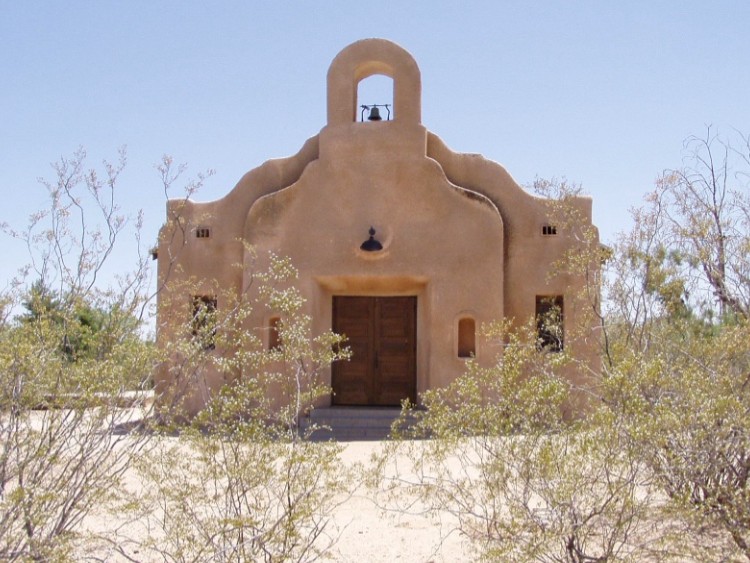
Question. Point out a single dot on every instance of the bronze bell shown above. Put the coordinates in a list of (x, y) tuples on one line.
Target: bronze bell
[(374, 114)]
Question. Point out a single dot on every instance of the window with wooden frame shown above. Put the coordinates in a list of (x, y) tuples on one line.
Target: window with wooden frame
[(549, 322), (202, 232), (549, 230), (467, 344), (204, 321)]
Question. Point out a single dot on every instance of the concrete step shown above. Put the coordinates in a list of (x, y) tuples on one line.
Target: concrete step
[(350, 423)]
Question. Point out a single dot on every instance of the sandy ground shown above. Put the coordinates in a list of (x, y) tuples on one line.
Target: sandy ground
[(370, 534), (367, 532)]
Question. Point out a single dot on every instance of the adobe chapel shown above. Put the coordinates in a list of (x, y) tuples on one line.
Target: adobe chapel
[(403, 245)]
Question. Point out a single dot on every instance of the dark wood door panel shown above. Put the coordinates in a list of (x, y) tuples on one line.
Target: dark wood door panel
[(381, 332)]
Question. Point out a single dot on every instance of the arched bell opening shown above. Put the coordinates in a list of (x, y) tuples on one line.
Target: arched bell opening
[(385, 60), (375, 99)]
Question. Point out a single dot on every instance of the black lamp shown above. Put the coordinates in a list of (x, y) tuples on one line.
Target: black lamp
[(371, 245)]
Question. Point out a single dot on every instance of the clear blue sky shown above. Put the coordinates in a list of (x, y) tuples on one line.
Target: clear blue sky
[(602, 93)]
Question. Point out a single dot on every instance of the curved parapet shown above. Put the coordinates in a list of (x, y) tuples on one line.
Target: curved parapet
[(275, 174), (487, 177), (471, 170), (271, 176)]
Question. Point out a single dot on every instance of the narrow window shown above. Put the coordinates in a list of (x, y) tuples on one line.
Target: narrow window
[(549, 230), (274, 338), (466, 338), (202, 232), (204, 321), (549, 322)]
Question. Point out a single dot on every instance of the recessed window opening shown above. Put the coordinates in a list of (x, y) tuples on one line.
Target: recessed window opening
[(549, 322), (202, 232), (375, 99), (549, 230), (204, 321), (467, 347), (274, 337)]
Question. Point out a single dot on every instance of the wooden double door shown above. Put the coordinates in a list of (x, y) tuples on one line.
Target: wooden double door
[(382, 334)]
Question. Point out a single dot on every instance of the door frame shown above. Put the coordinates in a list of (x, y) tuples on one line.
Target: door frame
[(321, 309)]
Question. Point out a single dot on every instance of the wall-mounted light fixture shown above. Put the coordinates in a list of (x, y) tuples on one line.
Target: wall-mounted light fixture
[(375, 112), (371, 244)]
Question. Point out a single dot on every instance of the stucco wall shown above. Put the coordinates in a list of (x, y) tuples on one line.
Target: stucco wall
[(441, 243)]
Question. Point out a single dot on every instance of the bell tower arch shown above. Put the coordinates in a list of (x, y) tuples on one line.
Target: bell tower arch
[(363, 59)]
